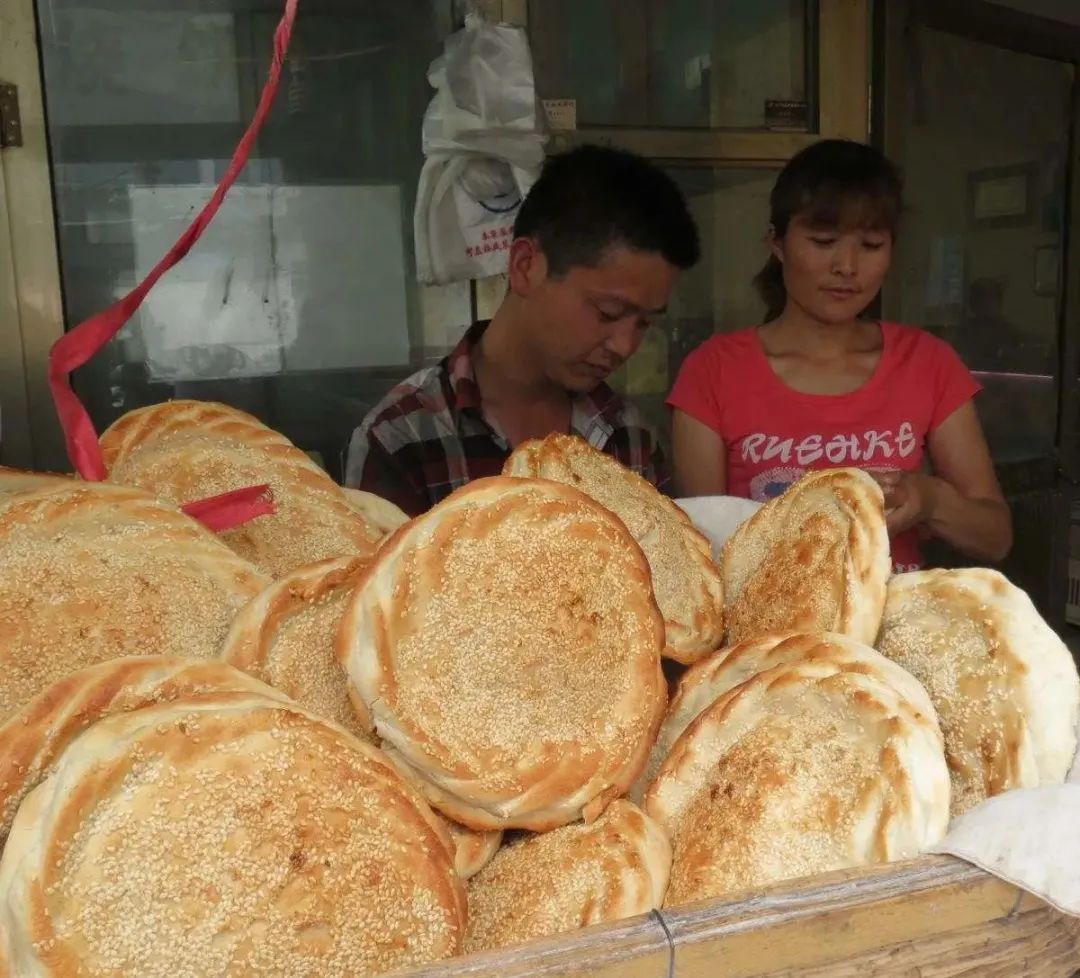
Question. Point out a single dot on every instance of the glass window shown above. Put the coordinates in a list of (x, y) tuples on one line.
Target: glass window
[(708, 64), (300, 302), (984, 157), (731, 207)]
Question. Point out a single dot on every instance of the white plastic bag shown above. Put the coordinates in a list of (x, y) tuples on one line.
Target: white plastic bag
[(483, 138)]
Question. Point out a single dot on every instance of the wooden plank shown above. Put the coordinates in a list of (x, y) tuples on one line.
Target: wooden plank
[(932, 918), (490, 10), (844, 67), (15, 444), (1036, 944), (636, 948), (516, 12), (730, 146), (1002, 26), (928, 907), (28, 183)]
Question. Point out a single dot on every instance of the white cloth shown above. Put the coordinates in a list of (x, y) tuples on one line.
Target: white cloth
[(483, 139), (1029, 838), (718, 517)]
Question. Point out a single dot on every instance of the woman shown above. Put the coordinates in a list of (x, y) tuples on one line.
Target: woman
[(817, 386)]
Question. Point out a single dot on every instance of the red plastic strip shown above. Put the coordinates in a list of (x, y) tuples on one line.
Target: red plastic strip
[(79, 345), (230, 509)]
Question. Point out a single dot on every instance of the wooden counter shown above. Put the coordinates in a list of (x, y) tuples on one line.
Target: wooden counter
[(933, 918)]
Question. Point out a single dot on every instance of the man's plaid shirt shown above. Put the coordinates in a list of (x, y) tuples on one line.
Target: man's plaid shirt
[(429, 435)]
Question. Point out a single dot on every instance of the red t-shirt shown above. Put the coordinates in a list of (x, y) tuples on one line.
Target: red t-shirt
[(774, 434)]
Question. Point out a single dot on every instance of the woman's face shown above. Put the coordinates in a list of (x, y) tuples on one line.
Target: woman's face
[(832, 273)]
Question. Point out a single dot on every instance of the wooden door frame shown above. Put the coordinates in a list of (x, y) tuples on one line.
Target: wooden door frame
[(843, 99), (31, 308)]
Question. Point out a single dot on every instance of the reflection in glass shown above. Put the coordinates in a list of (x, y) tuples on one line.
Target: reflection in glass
[(300, 302), (708, 64), (984, 161)]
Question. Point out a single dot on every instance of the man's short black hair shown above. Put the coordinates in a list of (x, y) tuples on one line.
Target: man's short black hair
[(591, 198)]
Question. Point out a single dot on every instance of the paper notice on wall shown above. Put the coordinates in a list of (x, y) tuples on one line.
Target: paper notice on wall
[(286, 278), (561, 113)]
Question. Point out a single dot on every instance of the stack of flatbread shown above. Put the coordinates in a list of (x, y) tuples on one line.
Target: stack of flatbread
[(288, 637), (225, 833), (299, 753), (1004, 684), (210, 824), (185, 451), (795, 756), (90, 572)]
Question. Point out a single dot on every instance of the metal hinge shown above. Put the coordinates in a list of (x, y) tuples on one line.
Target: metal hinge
[(10, 121)]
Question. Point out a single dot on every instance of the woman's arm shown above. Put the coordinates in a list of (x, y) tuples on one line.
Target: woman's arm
[(699, 457), (962, 502)]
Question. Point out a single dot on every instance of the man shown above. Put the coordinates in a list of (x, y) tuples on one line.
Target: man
[(598, 246)]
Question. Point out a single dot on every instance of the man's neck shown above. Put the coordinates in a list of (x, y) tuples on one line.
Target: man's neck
[(506, 371)]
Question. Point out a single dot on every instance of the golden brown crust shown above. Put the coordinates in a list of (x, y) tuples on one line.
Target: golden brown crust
[(573, 877), (379, 513), (35, 736), (815, 559), (90, 572), (705, 682), (21, 480), (235, 838), (804, 768), (508, 645), (685, 579), (184, 451), (472, 850), (1004, 684), (287, 637)]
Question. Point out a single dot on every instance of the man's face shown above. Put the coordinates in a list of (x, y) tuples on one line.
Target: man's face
[(582, 326)]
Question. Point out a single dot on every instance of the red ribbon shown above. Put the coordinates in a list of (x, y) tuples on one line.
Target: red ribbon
[(79, 345), (230, 509)]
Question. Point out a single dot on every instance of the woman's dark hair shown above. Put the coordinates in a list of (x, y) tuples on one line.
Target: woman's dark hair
[(834, 183)]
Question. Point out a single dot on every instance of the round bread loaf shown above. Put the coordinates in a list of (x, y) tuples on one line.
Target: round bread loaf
[(1004, 684), (704, 683), (507, 644), (287, 637), (379, 513), (225, 839), (184, 451), (815, 559), (91, 572), (35, 736), (573, 877), (685, 579), (20, 480), (808, 767)]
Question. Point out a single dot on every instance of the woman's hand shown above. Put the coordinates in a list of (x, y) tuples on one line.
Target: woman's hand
[(962, 502), (909, 499)]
